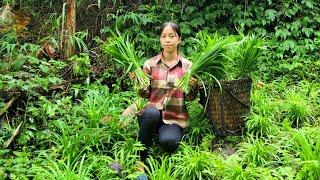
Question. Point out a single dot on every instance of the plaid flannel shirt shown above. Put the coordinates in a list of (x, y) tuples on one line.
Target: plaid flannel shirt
[(162, 94)]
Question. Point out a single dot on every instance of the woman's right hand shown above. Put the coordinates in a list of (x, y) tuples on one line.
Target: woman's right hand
[(131, 75), (193, 82)]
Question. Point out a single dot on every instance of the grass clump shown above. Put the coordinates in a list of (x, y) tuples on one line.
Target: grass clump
[(194, 163), (257, 152)]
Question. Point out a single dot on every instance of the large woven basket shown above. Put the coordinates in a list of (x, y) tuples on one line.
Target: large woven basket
[(228, 109)]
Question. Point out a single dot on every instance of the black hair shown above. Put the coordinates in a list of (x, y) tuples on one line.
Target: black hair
[(173, 25)]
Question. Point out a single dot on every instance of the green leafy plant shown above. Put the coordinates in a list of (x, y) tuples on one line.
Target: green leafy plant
[(160, 170), (208, 61), (193, 163), (125, 154), (86, 144), (18, 166), (123, 51), (260, 125), (233, 169), (306, 145), (8, 44), (265, 101), (246, 54), (81, 64), (297, 108), (59, 169), (78, 38), (257, 152), (95, 106), (68, 144), (198, 124)]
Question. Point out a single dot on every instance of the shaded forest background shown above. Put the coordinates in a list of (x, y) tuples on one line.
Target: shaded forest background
[(46, 100)]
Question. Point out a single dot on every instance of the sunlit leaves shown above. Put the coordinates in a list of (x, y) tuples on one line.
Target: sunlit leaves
[(271, 14), (282, 33), (308, 3)]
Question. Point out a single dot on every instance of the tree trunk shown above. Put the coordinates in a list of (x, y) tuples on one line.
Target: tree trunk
[(69, 29)]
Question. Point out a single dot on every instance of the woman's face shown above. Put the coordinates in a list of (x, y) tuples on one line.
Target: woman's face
[(169, 39)]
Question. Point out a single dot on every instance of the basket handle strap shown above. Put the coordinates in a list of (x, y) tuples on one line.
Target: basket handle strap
[(209, 112), (233, 132), (245, 105), (223, 123)]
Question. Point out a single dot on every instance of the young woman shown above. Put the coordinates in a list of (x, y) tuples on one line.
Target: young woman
[(165, 113)]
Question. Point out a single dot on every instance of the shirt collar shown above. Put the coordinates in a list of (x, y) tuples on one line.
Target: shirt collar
[(160, 57)]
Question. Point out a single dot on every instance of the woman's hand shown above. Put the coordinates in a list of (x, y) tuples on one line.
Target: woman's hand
[(131, 75), (193, 83)]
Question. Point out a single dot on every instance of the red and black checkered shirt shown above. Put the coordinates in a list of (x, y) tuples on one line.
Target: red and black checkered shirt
[(162, 93)]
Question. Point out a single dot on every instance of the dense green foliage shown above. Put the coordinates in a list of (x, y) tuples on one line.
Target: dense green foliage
[(70, 109)]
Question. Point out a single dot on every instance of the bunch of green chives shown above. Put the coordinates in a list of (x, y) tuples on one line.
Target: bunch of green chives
[(122, 50), (209, 63), (250, 48)]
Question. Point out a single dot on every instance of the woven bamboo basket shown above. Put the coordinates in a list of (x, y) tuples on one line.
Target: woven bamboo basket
[(228, 109)]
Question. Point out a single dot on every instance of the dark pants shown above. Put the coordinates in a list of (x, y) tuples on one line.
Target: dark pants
[(150, 122)]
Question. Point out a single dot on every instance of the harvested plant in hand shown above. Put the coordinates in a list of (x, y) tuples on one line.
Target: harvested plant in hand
[(122, 50), (208, 61)]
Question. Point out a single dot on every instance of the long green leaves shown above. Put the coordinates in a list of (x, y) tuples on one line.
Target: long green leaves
[(306, 144), (246, 54), (161, 170), (208, 60), (193, 163), (216, 57), (122, 50), (258, 152)]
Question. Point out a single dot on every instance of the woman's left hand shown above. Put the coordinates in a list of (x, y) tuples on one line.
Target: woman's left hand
[(193, 83)]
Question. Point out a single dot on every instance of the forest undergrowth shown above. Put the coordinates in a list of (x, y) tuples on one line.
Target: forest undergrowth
[(62, 118)]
